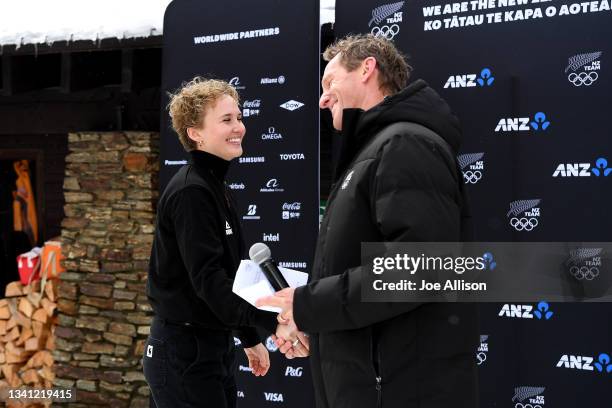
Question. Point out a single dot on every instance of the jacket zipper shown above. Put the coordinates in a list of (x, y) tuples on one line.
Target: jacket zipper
[(377, 371)]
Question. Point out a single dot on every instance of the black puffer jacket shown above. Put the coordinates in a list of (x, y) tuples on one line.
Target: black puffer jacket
[(396, 183)]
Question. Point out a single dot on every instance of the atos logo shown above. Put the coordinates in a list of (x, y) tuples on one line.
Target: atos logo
[(600, 169), (529, 397), (293, 372), (542, 311), (539, 123), (585, 363), (484, 79), (273, 397)]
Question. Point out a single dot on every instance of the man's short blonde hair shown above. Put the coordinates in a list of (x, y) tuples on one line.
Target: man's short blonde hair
[(393, 69), (189, 103)]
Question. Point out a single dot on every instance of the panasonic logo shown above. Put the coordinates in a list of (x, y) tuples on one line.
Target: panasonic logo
[(175, 162)]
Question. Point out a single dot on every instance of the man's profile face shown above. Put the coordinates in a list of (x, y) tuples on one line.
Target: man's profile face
[(341, 90)]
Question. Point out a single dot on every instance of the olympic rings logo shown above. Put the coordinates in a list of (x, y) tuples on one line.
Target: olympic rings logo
[(519, 405), (523, 224), (584, 272), (472, 177), (481, 357), (386, 31), (583, 78)]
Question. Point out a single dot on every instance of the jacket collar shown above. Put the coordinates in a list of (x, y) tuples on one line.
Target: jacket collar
[(206, 162)]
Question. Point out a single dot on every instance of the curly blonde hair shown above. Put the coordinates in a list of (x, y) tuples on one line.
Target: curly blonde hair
[(188, 105), (393, 68)]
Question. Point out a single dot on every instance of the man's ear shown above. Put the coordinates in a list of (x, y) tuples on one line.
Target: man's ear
[(368, 66)]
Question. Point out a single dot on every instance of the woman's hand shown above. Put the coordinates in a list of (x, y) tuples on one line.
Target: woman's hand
[(259, 359)]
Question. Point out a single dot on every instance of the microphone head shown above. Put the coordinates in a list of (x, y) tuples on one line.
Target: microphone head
[(259, 253)]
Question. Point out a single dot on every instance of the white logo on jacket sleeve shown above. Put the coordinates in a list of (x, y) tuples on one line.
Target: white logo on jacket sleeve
[(228, 229), (149, 351)]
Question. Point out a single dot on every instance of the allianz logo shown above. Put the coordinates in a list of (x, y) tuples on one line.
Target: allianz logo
[(279, 80)]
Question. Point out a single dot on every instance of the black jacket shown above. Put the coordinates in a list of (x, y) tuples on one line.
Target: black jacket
[(396, 183), (196, 251)]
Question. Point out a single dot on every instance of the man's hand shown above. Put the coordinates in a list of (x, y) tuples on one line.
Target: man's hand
[(287, 332), (259, 359)]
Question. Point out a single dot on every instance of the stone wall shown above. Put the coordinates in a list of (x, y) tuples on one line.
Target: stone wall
[(110, 190)]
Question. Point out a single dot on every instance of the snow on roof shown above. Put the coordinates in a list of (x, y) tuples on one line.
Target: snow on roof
[(46, 21)]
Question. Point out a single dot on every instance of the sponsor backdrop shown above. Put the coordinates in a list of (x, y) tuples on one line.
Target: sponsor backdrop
[(269, 51), (530, 81)]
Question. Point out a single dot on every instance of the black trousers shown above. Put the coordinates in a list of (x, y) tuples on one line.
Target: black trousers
[(189, 367)]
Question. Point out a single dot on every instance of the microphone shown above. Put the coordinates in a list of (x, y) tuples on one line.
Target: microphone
[(261, 255)]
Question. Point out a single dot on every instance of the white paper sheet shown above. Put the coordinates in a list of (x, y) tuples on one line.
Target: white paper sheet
[(251, 284)]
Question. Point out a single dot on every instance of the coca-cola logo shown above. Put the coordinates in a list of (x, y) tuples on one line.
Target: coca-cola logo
[(292, 206)]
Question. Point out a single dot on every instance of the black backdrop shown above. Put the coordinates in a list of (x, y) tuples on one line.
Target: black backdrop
[(527, 183), (272, 58), (525, 362)]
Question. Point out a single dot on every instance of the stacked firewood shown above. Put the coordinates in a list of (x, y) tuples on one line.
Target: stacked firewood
[(27, 323)]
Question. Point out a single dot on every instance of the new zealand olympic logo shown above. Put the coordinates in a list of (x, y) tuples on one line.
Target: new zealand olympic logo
[(588, 64), (472, 167), (391, 15), (529, 397), (584, 263), (483, 349), (524, 214)]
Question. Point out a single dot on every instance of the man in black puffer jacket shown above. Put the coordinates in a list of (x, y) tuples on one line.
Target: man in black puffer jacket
[(397, 181)]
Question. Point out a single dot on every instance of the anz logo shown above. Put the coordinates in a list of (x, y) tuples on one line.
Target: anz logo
[(600, 169), (541, 312), (586, 363), (484, 79), (539, 123)]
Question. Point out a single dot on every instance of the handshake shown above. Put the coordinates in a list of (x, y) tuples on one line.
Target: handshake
[(289, 340)]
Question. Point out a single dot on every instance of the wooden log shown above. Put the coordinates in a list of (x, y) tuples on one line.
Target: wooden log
[(3, 327), (25, 335), (47, 373), (2, 358), (50, 344), (14, 289), (12, 335), (38, 328), (11, 323), (49, 306), (39, 359), (30, 377), (24, 321), (40, 316), (8, 370), (5, 313), (25, 307), (35, 343), (35, 298), (51, 290)]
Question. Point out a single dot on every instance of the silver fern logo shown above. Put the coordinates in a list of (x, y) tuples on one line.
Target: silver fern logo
[(483, 349), (472, 166), (583, 68), (584, 263), (529, 397), (524, 215), (385, 19)]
